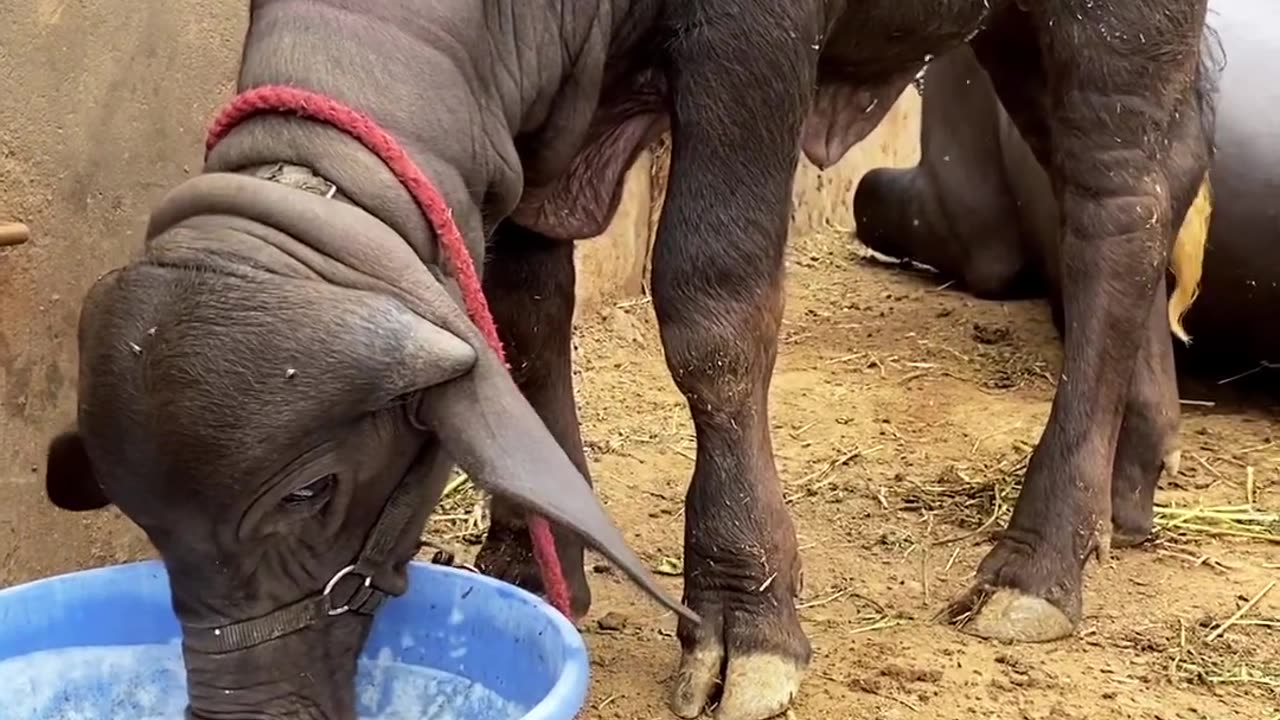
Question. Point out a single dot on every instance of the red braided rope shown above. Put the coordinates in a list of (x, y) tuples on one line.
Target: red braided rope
[(284, 99)]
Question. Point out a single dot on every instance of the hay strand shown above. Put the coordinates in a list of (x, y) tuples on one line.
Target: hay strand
[(1241, 612), (1242, 521)]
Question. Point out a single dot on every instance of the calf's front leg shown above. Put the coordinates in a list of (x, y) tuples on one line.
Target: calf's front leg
[(529, 283), (718, 295)]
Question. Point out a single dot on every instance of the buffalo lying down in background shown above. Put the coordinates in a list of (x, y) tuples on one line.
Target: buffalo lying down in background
[(980, 208), (289, 347)]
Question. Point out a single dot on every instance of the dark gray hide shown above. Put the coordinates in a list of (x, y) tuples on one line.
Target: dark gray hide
[(257, 484)]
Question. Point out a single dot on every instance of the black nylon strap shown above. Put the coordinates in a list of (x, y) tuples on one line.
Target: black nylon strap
[(248, 633)]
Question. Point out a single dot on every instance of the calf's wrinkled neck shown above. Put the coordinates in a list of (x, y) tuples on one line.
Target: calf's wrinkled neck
[(307, 676), (457, 84)]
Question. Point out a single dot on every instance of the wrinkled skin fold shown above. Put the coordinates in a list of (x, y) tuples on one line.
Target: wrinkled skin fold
[(254, 386)]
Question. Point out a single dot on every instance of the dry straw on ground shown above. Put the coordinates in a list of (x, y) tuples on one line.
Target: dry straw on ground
[(462, 515), (1208, 653), (981, 497)]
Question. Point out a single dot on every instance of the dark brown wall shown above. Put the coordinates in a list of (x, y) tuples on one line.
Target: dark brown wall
[(102, 108)]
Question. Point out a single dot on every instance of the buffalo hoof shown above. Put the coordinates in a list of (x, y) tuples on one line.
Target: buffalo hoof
[(1131, 527), (1013, 616), (1133, 517), (1025, 593), (1122, 538), (756, 686)]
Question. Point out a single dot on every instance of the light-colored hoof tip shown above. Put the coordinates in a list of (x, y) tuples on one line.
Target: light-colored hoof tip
[(1172, 463), (697, 678), (759, 687), (684, 702), (1014, 616)]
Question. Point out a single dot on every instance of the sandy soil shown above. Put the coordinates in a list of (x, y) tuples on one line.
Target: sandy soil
[(902, 412)]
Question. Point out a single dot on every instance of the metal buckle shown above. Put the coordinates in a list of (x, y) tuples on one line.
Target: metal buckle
[(328, 589)]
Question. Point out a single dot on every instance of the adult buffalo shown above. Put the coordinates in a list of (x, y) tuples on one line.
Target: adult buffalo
[(980, 209), (287, 349)]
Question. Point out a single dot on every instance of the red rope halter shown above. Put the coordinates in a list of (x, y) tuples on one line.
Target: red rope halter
[(283, 99)]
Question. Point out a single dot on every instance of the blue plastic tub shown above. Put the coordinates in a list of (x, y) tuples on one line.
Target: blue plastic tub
[(491, 633)]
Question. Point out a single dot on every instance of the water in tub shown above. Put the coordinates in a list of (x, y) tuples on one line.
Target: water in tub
[(147, 682)]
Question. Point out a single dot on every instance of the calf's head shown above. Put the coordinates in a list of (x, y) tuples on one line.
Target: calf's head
[(254, 416)]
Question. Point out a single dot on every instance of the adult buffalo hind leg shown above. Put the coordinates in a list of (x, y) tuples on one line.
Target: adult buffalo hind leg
[(1110, 114), (1147, 447), (718, 296), (1148, 434), (529, 283)]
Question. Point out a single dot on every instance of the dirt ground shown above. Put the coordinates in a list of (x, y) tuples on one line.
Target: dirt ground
[(902, 413)]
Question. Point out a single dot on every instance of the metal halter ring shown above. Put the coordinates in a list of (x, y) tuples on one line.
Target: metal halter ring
[(328, 588)]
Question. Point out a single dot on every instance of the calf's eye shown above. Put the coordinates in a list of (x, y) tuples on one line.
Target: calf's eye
[(314, 492)]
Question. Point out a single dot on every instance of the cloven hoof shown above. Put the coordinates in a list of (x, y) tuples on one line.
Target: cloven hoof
[(1014, 616)]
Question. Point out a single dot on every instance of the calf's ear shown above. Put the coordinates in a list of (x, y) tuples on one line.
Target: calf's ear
[(493, 433), (428, 354), (69, 478)]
